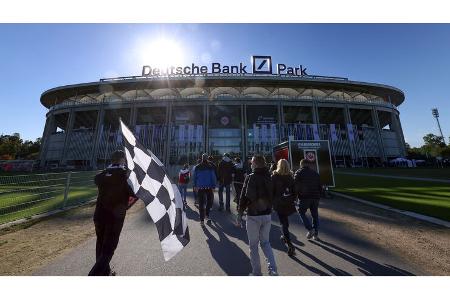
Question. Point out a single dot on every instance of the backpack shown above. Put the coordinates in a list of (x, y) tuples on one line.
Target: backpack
[(184, 178)]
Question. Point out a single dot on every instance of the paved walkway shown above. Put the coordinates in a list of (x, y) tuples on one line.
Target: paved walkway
[(221, 249)]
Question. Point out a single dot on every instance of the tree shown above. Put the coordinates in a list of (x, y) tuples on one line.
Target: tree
[(446, 152), (433, 140), (13, 147), (434, 145)]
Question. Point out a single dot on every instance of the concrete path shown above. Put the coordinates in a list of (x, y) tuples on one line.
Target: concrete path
[(221, 249)]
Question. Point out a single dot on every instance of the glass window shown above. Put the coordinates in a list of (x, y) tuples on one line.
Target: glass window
[(225, 132)]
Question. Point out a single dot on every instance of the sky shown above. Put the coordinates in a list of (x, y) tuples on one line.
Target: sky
[(412, 57)]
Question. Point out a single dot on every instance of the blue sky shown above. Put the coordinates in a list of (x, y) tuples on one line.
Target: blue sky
[(412, 57)]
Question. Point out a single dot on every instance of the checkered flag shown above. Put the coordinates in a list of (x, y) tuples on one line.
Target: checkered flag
[(162, 199)]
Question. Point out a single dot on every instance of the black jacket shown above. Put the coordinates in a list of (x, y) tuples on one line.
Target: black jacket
[(225, 172), (239, 173), (281, 184), (257, 193), (113, 193), (307, 184)]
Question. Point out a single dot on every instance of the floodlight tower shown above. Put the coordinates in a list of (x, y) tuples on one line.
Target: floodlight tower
[(435, 113)]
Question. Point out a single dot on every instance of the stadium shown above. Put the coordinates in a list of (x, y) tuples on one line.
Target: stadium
[(178, 115)]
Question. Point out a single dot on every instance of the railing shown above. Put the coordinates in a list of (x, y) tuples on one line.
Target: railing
[(22, 196)]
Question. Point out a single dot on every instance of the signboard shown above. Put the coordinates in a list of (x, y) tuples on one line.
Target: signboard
[(261, 64), (317, 152)]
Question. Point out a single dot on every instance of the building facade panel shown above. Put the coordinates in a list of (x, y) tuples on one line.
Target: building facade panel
[(179, 124)]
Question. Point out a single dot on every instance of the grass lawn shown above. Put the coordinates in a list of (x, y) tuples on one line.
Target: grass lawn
[(435, 173), (25, 196), (428, 198)]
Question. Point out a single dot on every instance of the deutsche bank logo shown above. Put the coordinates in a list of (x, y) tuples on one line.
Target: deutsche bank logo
[(262, 64)]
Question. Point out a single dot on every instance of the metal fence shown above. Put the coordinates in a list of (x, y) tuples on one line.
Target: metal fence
[(23, 196)]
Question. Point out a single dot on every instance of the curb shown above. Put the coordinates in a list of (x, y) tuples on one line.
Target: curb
[(40, 216), (403, 212)]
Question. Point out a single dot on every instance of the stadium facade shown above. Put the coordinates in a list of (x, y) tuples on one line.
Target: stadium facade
[(181, 112)]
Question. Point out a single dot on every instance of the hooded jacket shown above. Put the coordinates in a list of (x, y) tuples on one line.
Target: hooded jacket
[(204, 176)]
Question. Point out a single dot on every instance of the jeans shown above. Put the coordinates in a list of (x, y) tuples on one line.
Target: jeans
[(258, 230), (183, 191), (204, 195), (238, 189), (313, 206), (284, 222), (228, 195)]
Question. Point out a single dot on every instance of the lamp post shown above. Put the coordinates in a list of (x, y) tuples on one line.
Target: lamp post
[(435, 113)]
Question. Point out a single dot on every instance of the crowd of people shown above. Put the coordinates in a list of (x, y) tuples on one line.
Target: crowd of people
[(259, 190)]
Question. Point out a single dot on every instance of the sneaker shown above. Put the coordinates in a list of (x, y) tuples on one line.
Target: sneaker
[(316, 236), (273, 273), (112, 273), (283, 239), (208, 220), (202, 223), (310, 234)]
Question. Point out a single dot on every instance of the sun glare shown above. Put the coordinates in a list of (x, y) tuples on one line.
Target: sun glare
[(162, 53)]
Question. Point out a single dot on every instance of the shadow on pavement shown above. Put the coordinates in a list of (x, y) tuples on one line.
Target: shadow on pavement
[(230, 258), (276, 243), (365, 265), (192, 213)]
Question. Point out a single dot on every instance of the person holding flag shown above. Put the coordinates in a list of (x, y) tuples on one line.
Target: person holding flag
[(151, 183), (114, 195)]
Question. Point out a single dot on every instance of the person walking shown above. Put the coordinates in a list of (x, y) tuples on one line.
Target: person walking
[(214, 166), (204, 184), (308, 189), (183, 179), (284, 199), (225, 178), (193, 189), (256, 199), (238, 180), (113, 200)]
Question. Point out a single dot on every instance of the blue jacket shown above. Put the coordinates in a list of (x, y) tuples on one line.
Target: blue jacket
[(204, 176)]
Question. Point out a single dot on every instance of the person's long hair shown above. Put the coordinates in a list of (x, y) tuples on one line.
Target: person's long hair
[(283, 168)]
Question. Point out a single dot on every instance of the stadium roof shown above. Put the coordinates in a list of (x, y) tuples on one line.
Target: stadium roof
[(59, 94)]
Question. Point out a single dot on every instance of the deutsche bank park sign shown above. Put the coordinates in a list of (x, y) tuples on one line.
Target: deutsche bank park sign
[(260, 65)]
